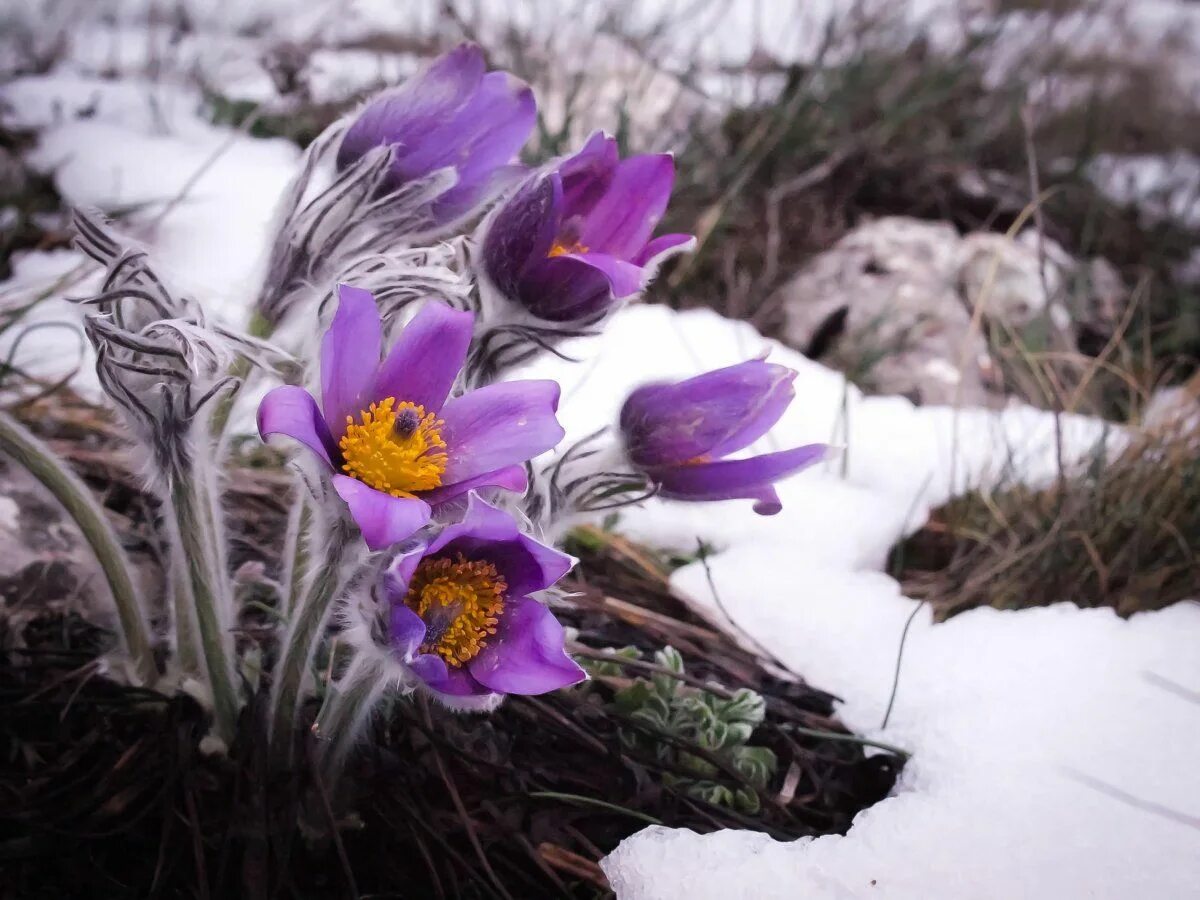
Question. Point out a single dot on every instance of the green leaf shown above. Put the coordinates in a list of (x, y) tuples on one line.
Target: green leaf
[(747, 801), (744, 706), (756, 764), (716, 794), (630, 699), (669, 658)]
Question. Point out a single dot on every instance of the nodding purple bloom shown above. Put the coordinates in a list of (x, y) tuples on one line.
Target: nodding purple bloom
[(678, 434), (576, 239), (461, 617), (456, 114), (398, 444)]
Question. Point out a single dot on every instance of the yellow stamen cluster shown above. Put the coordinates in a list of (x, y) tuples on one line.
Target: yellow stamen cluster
[(397, 449), (560, 249), (460, 603)]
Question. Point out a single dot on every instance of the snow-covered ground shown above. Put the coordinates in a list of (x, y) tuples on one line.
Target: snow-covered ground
[(1053, 749)]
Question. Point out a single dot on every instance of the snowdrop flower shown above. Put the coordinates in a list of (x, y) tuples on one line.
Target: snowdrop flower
[(453, 114), (397, 444), (678, 434), (576, 239), (461, 618)]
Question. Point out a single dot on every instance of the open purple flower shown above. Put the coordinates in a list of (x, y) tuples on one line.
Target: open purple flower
[(387, 427), (461, 618), (678, 434), (456, 114), (577, 238)]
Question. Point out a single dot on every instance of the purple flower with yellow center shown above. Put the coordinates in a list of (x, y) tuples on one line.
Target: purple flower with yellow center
[(577, 238), (679, 434), (396, 444), (461, 616), (453, 114)]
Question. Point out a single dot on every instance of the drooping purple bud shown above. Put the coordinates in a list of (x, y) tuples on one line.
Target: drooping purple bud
[(679, 434)]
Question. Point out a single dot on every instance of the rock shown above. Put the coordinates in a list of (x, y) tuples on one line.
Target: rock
[(1017, 283), (892, 302)]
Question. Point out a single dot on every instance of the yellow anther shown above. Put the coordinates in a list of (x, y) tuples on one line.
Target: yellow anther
[(460, 603), (396, 460)]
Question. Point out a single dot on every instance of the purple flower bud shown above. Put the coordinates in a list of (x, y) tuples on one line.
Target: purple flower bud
[(393, 439), (679, 434), (456, 114), (576, 238), (461, 618)]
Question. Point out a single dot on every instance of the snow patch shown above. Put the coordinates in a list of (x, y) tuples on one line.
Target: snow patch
[(1048, 758)]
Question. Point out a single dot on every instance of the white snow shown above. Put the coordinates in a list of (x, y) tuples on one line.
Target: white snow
[(1161, 187), (1049, 760), (202, 194)]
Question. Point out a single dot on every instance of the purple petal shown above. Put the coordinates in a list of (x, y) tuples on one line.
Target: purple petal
[(464, 198), (292, 411), (587, 175), (383, 519), (400, 570), (349, 357), (622, 221), (624, 277), (522, 231), (541, 568), (735, 479), (481, 522), (510, 478), (526, 656), (486, 533), (449, 115), (426, 358), (485, 135), (406, 630), (405, 115), (444, 679), (766, 501), (564, 289), (710, 415), (499, 426), (661, 248)]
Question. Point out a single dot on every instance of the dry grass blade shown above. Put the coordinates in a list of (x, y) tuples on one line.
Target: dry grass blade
[(1123, 532)]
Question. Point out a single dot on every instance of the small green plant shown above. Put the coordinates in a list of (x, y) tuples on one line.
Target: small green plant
[(721, 724)]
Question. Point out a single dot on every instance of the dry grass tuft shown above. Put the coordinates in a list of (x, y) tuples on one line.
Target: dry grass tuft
[(1123, 533)]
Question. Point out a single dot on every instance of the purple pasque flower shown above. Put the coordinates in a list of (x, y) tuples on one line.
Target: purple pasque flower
[(452, 114), (397, 444), (461, 617), (577, 238), (679, 434)]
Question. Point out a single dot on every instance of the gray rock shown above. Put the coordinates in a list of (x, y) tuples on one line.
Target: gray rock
[(892, 304)]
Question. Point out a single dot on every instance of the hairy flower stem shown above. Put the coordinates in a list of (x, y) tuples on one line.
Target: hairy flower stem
[(187, 652), (258, 327), (308, 617), (347, 709), (209, 596), (296, 549), (42, 463)]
